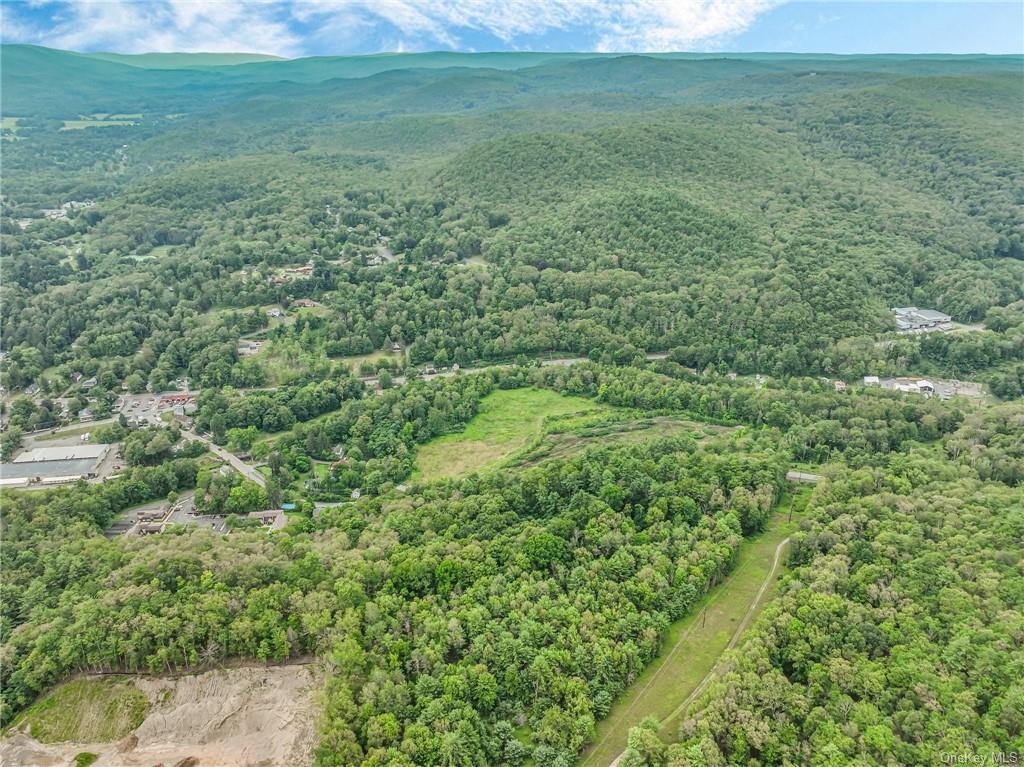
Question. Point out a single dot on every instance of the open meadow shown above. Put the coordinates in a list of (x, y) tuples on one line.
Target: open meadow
[(507, 421)]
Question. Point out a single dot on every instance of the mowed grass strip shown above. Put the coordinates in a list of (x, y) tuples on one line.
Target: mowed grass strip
[(85, 711), (65, 433), (694, 644), (508, 419), (82, 124)]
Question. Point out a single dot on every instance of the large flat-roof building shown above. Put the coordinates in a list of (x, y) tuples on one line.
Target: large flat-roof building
[(910, 319), (52, 465), (62, 453)]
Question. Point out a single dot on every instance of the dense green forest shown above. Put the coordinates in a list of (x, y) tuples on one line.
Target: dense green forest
[(896, 639), (346, 257), (759, 213), (452, 617)]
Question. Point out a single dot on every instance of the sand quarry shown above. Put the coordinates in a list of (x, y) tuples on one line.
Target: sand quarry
[(238, 717)]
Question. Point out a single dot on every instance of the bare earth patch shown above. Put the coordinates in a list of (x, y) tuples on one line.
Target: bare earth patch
[(239, 717)]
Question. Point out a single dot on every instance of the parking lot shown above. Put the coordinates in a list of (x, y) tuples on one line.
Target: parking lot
[(154, 517), (183, 513)]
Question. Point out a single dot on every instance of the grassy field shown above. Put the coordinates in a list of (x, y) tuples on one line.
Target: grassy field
[(568, 437), (85, 711), (507, 421), (65, 433), (372, 357), (695, 643), (82, 124)]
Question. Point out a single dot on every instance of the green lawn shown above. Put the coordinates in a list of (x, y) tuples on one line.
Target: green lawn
[(75, 432), (695, 643), (373, 357), (86, 711), (508, 420)]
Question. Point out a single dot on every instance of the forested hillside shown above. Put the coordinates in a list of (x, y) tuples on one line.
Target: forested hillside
[(897, 638), (340, 261), (760, 214)]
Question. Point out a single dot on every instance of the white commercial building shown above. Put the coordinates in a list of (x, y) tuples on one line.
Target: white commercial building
[(51, 465)]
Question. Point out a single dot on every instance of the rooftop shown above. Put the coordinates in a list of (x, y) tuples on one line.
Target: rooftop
[(80, 467), (274, 519), (65, 453)]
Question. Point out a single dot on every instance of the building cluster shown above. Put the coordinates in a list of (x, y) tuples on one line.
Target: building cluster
[(292, 273), (181, 406), (913, 385), (910, 319), (249, 348), (57, 214)]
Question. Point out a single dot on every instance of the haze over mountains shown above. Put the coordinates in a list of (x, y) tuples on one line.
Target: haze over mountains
[(35, 78)]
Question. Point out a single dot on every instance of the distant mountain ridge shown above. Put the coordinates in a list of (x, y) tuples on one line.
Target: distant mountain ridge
[(182, 60), (46, 83)]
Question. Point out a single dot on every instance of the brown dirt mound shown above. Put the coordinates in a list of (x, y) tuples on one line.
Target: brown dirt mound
[(239, 717)]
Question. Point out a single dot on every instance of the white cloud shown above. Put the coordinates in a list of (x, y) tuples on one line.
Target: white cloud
[(290, 27), (129, 26), (614, 25)]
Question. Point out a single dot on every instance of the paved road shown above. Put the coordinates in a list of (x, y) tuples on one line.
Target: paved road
[(243, 468), (152, 414)]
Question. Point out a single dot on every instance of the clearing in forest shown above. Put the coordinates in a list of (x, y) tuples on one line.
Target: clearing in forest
[(82, 124), (569, 436), (507, 421), (695, 643)]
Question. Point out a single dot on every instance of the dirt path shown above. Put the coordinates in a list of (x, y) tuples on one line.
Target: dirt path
[(706, 634), (748, 617)]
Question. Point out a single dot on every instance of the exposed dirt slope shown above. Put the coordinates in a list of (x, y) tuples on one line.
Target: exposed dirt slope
[(240, 717)]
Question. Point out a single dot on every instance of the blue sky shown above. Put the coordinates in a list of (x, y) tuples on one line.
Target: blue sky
[(335, 27)]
